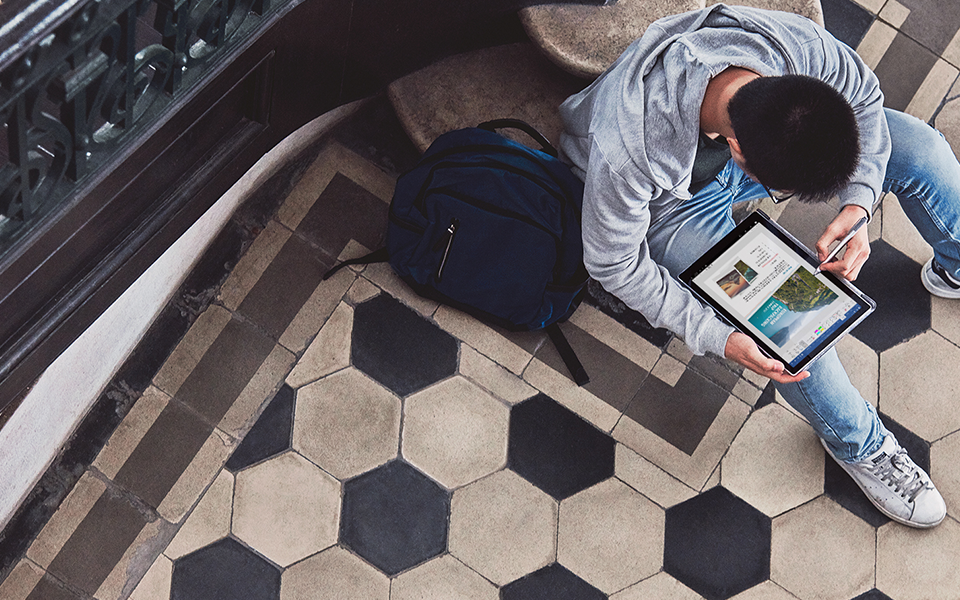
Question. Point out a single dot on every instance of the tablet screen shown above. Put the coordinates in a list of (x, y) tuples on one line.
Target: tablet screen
[(765, 283)]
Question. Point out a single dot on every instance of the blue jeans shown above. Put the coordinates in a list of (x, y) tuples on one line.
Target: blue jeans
[(925, 176)]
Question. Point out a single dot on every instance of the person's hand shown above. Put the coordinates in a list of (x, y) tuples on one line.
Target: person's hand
[(851, 259), (741, 349)]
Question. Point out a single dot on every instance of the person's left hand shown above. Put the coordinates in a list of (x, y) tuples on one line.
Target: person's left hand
[(851, 259), (741, 349)]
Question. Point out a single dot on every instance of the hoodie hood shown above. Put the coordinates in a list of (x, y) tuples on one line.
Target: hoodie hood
[(664, 75)]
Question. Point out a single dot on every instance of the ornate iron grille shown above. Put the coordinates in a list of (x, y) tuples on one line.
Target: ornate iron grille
[(71, 100)]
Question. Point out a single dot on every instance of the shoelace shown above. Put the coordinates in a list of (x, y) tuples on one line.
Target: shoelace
[(901, 474)]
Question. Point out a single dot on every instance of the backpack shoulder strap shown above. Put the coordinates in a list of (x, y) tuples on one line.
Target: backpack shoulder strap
[(545, 145), (566, 352), (376, 256)]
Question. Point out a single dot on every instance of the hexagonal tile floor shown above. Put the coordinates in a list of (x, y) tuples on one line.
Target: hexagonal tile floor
[(348, 439)]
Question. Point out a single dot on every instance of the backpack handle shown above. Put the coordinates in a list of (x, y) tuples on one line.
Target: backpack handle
[(523, 126)]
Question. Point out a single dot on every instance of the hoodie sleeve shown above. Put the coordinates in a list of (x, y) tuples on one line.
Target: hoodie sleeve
[(616, 218)]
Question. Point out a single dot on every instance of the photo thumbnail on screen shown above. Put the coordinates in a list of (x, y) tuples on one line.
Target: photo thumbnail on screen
[(737, 280)]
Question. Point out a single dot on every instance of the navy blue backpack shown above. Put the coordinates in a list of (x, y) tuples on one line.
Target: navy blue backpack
[(491, 227)]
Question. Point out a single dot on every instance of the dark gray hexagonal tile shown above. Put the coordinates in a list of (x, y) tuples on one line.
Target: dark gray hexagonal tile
[(394, 345), (553, 582), (717, 545), (394, 517), (270, 435), (224, 570), (842, 489), (556, 450), (892, 279), (873, 594)]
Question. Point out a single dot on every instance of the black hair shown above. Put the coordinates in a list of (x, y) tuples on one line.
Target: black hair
[(796, 134)]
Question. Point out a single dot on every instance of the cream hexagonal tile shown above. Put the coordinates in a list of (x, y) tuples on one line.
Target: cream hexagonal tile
[(661, 586), (767, 590), (455, 432), (821, 550), (503, 527), (610, 536), (945, 317), (347, 424), (915, 564), (286, 508), (945, 470), (782, 402), (920, 385), (443, 578), (334, 574), (775, 463)]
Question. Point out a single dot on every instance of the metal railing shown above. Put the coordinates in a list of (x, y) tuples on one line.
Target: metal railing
[(80, 78)]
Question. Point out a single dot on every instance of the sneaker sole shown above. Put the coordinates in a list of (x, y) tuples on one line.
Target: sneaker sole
[(879, 507), (927, 277)]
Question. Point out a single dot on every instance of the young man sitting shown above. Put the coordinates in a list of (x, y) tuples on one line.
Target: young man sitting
[(729, 104)]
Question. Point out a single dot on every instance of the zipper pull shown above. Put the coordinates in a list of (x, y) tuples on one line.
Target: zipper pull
[(451, 231)]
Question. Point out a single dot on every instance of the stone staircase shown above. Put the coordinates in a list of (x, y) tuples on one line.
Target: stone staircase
[(569, 46)]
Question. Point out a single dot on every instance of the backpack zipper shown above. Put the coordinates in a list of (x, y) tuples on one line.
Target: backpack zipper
[(448, 238), (490, 208)]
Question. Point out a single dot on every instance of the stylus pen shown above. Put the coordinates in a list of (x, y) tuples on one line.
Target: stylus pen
[(836, 250)]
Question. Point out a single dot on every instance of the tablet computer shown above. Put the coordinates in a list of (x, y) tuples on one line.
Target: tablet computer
[(764, 282)]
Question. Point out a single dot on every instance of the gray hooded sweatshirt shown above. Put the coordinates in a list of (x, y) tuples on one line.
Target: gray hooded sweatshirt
[(632, 137)]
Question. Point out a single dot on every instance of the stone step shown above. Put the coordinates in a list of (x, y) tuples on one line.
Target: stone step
[(571, 44), (585, 40), (509, 81)]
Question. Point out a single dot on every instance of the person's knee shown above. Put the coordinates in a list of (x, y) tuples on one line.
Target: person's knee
[(915, 144)]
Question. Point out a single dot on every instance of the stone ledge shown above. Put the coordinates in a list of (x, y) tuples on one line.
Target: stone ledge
[(510, 81), (585, 40)]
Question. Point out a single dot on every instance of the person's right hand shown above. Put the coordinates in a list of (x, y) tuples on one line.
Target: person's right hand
[(743, 350), (858, 248)]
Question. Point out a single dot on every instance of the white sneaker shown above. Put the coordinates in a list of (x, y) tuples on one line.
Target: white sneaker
[(896, 485), (938, 282)]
